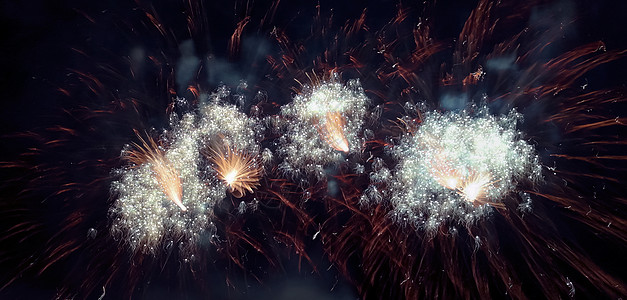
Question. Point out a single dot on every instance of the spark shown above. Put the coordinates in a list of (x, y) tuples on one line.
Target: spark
[(237, 169), (444, 173), (332, 131), (322, 123), (475, 188), (165, 173)]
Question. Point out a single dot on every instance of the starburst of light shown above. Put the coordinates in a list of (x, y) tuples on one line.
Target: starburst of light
[(331, 130)]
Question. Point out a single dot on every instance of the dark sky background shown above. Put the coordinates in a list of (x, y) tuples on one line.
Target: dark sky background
[(36, 60), (38, 37)]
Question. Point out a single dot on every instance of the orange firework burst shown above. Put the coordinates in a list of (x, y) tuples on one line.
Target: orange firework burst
[(165, 173), (472, 187), (331, 130), (237, 169)]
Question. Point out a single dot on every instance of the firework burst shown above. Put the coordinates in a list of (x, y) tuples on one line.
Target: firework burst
[(321, 125), (453, 159), (331, 130), (167, 176), (460, 185), (139, 210), (238, 170)]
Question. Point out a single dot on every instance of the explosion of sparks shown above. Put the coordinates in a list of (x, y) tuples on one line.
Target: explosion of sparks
[(237, 169), (143, 211), (322, 125), (332, 131), (456, 159)]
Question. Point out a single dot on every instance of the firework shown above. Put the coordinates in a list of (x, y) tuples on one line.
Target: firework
[(423, 169), (454, 159), (462, 202), (331, 130), (237, 169), (142, 216), (321, 124), (167, 176)]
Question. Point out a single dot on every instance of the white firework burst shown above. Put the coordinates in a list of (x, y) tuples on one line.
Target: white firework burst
[(456, 167)]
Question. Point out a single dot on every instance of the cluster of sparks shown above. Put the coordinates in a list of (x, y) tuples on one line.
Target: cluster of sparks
[(168, 193), (236, 168), (165, 195), (321, 126), (456, 166)]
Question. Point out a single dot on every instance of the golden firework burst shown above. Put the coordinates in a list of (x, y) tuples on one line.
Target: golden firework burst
[(442, 171), (237, 169), (474, 188)]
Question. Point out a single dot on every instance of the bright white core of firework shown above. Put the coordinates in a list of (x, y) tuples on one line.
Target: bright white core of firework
[(455, 167), (230, 178)]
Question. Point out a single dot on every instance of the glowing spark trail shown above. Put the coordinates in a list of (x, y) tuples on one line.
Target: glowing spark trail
[(332, 131), (454, 159), (165, 173)]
